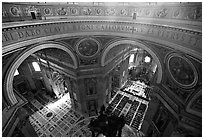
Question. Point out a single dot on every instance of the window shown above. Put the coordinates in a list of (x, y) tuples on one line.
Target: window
[(131, 58), (147, 59), (123, 73), (36, 66), (16, 72)]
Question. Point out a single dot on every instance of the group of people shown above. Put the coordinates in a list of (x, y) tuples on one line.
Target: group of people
[(107, 124)]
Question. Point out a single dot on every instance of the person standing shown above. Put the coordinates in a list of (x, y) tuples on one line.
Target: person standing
[(121, 124)]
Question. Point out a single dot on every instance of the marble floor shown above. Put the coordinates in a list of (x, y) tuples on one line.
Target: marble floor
[(55, 118), (133, 107)]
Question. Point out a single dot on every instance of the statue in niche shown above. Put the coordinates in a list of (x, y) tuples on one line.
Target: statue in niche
[(181, 70), (90, 86), (92, 107)]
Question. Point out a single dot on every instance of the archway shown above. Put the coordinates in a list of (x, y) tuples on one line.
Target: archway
[(138, 44), (8, 81)]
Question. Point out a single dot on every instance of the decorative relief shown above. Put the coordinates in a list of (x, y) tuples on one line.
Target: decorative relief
[(99, 11), (162, 13), (74, 11), (124, 12), (176, 13), (195, 13), (15, 11), (110, 11), (182, 71), (186, 12), (88, 47), (87, 11), (61, 11), (4, 13), (132, 11), (47, 11), (147, 12), (139, 12), (30, 9)]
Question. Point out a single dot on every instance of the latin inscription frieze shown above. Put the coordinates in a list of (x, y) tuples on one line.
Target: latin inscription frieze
[(12, 36)]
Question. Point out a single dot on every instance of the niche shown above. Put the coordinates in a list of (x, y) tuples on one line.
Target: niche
[(90, 84), (33, 15)]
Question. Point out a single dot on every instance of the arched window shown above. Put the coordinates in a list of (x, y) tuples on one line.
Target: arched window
[(16, 72), (147, 59), (131, 58), (36, 66)]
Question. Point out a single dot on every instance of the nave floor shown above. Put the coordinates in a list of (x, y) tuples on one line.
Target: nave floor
[(54, 119), (58, 119), (132, 107)]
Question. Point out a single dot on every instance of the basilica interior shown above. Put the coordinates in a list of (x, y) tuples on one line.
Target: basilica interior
[(99, 69)]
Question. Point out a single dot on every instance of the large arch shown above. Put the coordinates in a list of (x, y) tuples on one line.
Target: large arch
[(8, 80), (138, 44)]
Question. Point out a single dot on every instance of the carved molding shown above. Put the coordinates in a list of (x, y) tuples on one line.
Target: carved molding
[(189, 11)]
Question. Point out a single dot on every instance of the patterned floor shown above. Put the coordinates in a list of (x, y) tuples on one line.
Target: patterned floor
[(51, 118), (54, 119), (133, 107)]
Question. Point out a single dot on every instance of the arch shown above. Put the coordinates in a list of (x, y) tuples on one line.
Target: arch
[(188, 107), (138, 44), (8, 81)]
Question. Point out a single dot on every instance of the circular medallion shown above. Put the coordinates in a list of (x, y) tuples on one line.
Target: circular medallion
[(14, 11), (182, 71), (47, 11), (88, 47)]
